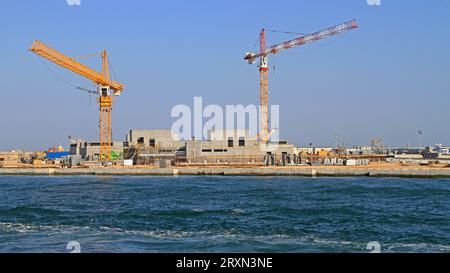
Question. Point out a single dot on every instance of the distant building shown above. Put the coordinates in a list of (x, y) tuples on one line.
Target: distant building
[(363, 150), (9, 159), (439, 151), (313, 150), (405, 151)]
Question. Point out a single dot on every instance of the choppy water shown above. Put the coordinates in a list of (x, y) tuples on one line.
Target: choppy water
[(224, 214)]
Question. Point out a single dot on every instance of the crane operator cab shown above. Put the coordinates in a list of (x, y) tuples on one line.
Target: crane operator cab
[(104, 91), (105, 98)]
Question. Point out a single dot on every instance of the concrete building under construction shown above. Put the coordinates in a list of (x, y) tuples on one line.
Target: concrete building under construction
[(222, 147)]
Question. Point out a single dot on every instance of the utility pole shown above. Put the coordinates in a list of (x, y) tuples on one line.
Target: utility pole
[(335, 137), (420, 133)]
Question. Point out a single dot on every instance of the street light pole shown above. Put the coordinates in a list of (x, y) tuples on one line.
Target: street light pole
[(335, 137), (420, 133)]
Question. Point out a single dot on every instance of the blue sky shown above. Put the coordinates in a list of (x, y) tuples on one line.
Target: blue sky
[(386, 79)]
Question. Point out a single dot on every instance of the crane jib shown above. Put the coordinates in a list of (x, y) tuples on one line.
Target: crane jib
[(60, 59), (308, 38)]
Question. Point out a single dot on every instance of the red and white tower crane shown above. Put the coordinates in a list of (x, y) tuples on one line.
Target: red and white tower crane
[(264, 52)]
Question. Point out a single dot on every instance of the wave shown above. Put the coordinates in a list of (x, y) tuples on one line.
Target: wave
[(29, 210), (238, 211), (416, 247), (275, 242), (30, 228)]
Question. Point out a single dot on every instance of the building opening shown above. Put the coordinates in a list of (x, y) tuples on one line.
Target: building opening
[(152, 143), (241, 142), (230, 142)]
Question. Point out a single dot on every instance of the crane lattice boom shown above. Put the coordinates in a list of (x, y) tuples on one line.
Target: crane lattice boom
[(319, 35), (66, 62)]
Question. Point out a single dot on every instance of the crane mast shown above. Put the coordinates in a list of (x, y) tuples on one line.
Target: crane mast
[(104, 87), (263, 88), (264, 134)]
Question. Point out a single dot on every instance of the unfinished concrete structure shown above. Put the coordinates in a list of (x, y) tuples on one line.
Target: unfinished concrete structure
[(159, 139), (90, 151), (237, 147), (151, 146), (222, 147)]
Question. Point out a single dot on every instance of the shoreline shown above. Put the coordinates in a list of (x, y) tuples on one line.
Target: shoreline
[(235, 171)]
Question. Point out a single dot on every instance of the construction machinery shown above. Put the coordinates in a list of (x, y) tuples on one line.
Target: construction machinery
[(377, 145), (264, 134), (106, 89)]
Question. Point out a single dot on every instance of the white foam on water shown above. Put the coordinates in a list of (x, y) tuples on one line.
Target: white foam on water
[(225, 235), (417, 247), (29, 228), (238, 211)]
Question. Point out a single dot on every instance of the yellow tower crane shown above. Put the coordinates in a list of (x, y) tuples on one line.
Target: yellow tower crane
[(104, 87)]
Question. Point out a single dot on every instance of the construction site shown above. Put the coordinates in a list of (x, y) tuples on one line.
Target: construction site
[(223, 149)]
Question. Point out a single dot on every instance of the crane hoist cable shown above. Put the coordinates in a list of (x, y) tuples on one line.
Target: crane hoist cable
[(88, 55), (258, 40), (56, 75), (285, 32), (95, 55), (80, 88), (64, 80), (112, 69)]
